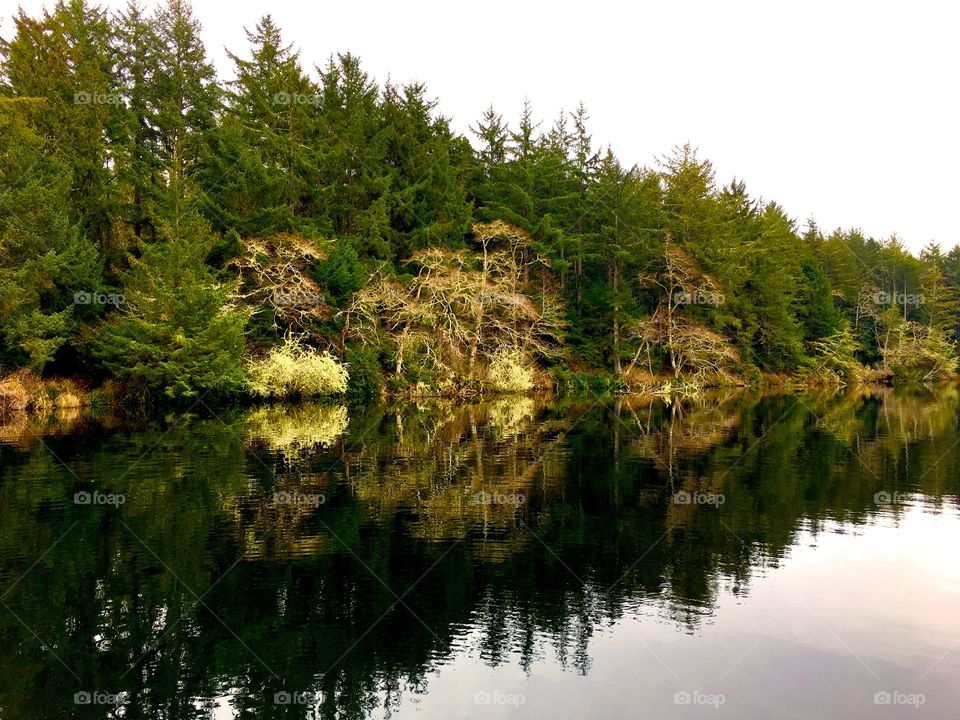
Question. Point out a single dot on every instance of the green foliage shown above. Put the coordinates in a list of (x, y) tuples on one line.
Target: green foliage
[(44, 256), (176, 334), (107, 120), (366, 374), (341, 273), (65, 57), (834, 358)]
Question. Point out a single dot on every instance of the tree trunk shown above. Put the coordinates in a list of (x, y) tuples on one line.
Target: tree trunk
[(614, 282)]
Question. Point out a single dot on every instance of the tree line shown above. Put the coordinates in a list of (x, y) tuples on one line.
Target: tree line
[(178, 234)]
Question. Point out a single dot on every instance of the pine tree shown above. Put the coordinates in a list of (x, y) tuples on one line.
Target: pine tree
[(138, 164), (627, 207), (44, 257), (65, 58), (176, 335), (188, 97), (354, 172), (260, 171), (428, 204)]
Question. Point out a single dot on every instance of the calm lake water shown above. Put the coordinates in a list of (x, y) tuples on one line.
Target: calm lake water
[(735, 557)]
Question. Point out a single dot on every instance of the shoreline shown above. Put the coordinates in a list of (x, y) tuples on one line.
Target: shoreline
[(23, 393)]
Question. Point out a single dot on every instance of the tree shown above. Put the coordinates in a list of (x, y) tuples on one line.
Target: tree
[(138, 165), (188, 96), (44, 257), (65, 58), (627, 205), (428, 167), (354, 170), (261, 169), (691, 348), (457, 311), (176, 335)]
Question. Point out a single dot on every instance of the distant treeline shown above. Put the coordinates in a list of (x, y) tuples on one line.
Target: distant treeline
[(296, 232)]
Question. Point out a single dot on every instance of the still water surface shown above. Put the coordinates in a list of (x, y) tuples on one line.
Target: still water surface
[(735, 557)]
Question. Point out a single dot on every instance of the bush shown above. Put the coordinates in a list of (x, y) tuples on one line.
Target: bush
[(834, 359), (918, 353), (293, 370), (510, 372), (366, 377)]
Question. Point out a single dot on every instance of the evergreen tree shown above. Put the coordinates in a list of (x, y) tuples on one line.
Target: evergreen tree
[(188, 96), (428, 168), (260, 171), (44, 257), (65, 58), (354, 170), (176, 335), (137, 152)]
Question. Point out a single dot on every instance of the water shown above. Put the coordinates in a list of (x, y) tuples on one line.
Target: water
[(736, 557)]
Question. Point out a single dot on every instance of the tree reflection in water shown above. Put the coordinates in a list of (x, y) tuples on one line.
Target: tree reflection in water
[(348, 553)]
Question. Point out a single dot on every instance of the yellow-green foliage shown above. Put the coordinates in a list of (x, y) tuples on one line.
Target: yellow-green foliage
[(510, 372), (835, 361), (919, 352), (511, 416), (296, 430), (294, 370), (23, 390)]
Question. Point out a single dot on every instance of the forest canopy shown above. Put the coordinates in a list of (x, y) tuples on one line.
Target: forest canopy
[(184, 236)]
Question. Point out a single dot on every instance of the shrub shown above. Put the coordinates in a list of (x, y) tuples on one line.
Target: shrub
[(293, 370), (14, 393), (366, 377), (509, 372), (918, 353), (834, 359), (23, 390)]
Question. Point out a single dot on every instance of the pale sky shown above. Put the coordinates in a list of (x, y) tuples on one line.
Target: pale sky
[(846, 111)]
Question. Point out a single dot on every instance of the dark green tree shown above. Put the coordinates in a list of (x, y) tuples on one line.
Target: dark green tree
[(176, 335), (45, 260)]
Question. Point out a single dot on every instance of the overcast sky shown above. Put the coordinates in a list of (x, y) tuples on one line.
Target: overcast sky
[(845, 111)]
